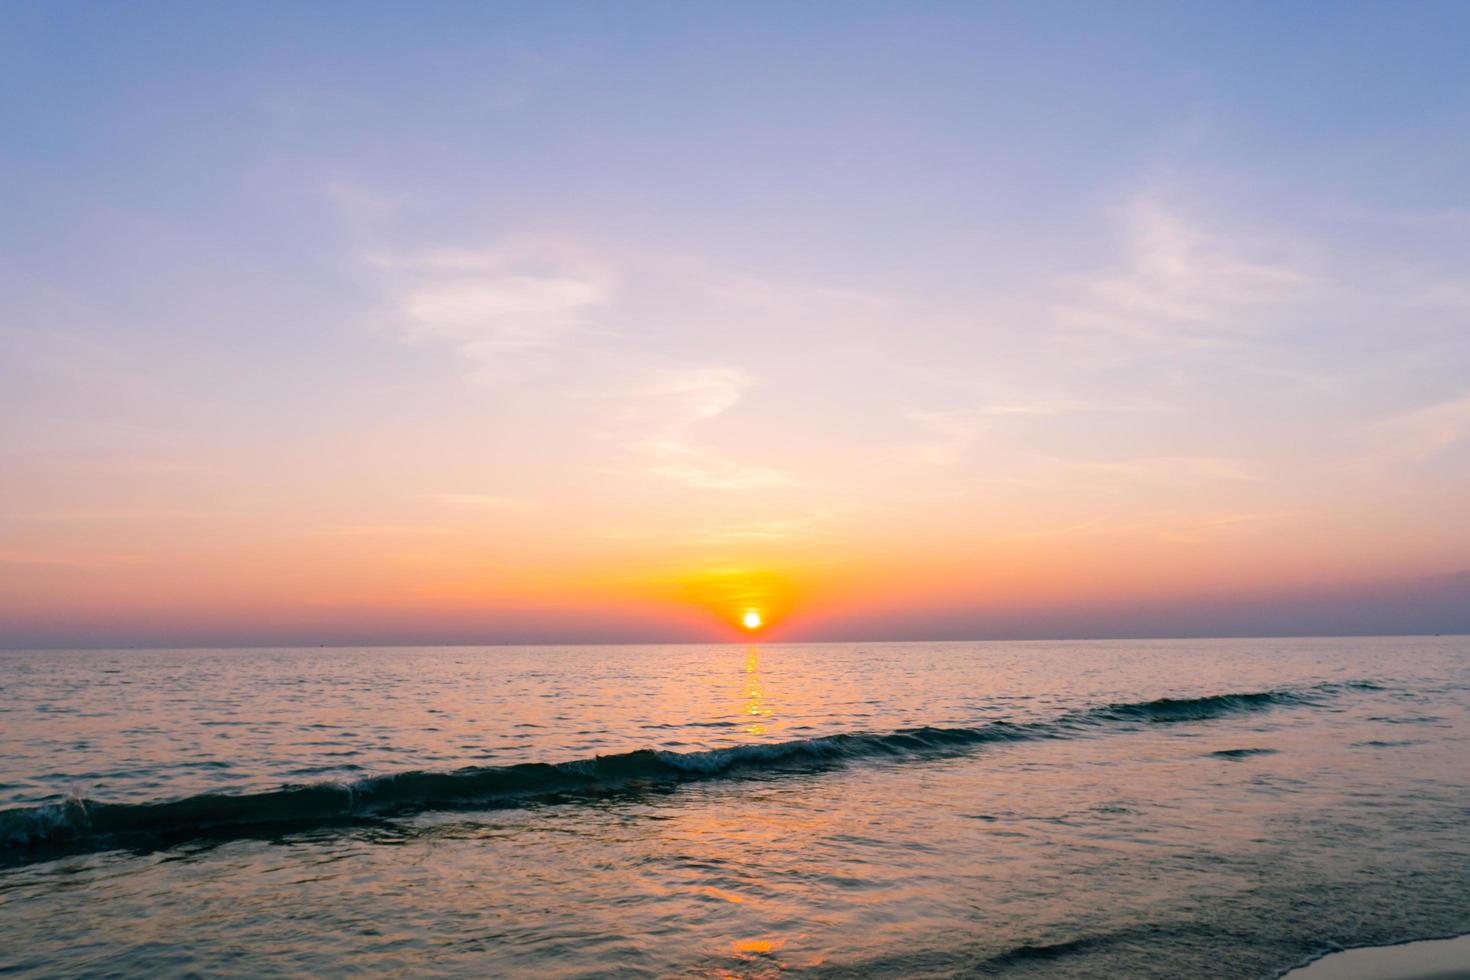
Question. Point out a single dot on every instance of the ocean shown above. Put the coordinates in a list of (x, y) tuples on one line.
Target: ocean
[(1161, 808)]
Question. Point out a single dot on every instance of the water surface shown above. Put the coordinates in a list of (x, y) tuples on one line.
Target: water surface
[(1160, 808)]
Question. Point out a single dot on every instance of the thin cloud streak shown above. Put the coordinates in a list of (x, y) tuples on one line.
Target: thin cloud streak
[(1177, 285), (490, 303), (1419, 434)]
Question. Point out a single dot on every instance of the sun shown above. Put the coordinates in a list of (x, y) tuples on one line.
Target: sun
[(751, 620)]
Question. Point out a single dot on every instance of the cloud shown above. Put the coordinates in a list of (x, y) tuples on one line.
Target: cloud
[(684, 397), (1176, 282), (1420, 434), (491, 303), (669, 406)]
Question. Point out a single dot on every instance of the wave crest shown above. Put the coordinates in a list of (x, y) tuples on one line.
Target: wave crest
[(79, 819)]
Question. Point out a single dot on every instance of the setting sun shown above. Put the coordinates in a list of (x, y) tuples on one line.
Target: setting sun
[(751, 620)]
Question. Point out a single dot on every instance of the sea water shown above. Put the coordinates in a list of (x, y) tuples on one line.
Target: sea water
[(1204, 808)]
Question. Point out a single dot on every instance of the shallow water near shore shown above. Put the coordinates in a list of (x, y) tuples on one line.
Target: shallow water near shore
[(1435, 959), (1143, 808)]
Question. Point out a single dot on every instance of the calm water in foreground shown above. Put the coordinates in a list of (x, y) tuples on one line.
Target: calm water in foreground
[(1162, 808)]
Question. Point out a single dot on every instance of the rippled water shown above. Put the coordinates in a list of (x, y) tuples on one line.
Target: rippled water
[(1203, 808)]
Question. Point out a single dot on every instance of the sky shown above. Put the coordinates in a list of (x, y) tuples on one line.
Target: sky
[(583, 322)]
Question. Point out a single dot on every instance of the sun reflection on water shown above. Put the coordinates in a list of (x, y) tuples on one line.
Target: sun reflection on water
[(756, 709)]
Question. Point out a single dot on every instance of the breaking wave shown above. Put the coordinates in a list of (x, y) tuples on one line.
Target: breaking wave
[(79, 819)]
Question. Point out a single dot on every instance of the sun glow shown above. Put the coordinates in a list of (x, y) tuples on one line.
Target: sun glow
[(731, 598)]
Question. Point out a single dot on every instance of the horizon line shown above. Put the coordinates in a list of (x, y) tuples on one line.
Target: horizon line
[(718, 643)]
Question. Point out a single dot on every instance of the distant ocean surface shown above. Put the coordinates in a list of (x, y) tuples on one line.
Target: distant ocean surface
[(1213, 808)]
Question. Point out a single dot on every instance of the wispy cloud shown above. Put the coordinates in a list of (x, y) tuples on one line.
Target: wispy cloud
[(1175, 282), (682, 398), (1417, 435), (671, 405), (488, 303)]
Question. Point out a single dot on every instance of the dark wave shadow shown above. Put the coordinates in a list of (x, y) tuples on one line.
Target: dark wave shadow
[(41, 832)]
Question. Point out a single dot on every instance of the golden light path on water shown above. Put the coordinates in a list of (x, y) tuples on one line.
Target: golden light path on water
[(755, 708)]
